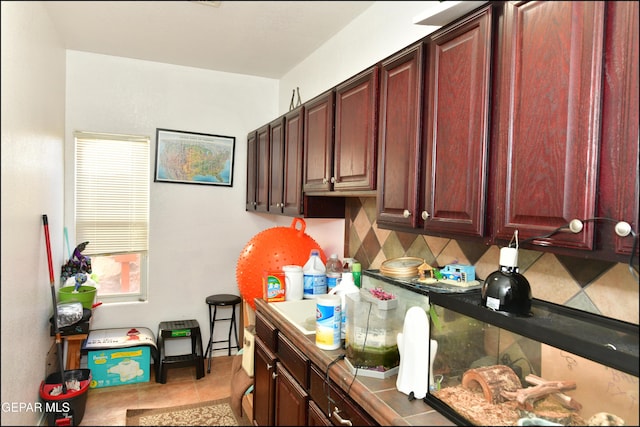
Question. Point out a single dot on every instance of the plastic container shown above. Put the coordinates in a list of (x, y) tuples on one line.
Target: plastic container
[(86, 295), (345, 287), (314, 275), (334, 271), (294, 281), (372, 331), (328, 318), (68, 408)]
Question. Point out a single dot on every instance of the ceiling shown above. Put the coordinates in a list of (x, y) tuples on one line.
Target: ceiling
[(260, 38)]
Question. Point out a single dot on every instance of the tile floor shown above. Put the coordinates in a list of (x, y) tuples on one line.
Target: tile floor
[(108, 406)]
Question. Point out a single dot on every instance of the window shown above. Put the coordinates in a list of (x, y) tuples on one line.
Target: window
[(112, 211)]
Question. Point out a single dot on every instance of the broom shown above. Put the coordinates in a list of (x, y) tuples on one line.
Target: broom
[(45, 221)]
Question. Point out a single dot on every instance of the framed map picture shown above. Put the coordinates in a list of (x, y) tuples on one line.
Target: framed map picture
[(194, 158)]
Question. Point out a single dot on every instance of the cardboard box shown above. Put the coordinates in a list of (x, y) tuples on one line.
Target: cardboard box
[(273, 286), (247, 406), (119, 366)]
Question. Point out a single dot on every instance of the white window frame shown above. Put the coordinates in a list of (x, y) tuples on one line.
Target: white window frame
[(70, 214)]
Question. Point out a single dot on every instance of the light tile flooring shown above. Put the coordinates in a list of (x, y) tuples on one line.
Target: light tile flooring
[(108, 406)]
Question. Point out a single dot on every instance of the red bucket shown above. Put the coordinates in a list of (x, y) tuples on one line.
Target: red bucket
[(65, 408)]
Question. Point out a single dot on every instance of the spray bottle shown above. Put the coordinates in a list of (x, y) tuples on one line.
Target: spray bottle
[(344, 287)]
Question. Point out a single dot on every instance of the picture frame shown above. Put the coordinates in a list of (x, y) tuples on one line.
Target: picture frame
[(194, 158)]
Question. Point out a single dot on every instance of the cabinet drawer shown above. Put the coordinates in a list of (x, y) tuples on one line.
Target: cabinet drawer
[(266, 331), (342, 407), (295, 361)]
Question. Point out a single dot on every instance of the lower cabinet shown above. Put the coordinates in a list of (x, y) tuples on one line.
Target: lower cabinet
[(289, 390), (291, 400), (263, 384), (316, 416), (334, 403)]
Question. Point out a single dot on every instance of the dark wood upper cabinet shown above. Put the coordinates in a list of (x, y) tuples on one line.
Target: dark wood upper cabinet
[(619, 174), (318, 142), (262, 169), (354, 163), (399, 137), (293, 158), (457, 93), (276, 165), (252, 158), (547, 127)]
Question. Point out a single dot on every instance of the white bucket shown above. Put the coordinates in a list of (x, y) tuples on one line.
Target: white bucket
[(294, 281)]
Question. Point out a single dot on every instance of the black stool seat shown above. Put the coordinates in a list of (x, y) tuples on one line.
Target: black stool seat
[(222, 300), (179, 329)]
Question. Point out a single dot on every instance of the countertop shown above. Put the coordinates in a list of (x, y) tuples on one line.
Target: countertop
[(378, 397)]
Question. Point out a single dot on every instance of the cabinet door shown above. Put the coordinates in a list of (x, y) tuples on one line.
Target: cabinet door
[(291, 400), (318, 143), (263, 384), (276, 165), (354, 163), (293, 157), (548, 120), (457, 127), (262, 169), (252, 157), (401, 80), (339, 407), (316, 417), (619, 180)]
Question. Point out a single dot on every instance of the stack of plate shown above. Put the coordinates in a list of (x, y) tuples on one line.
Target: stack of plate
[(401, 267)]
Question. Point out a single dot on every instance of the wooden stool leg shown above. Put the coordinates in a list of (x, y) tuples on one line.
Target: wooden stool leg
[(74, 345)]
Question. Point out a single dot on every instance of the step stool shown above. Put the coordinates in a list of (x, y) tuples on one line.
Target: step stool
[(180, 329)]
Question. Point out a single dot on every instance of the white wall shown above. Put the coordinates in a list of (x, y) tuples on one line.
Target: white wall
[(196, 232), (380, 31), (33, 70)]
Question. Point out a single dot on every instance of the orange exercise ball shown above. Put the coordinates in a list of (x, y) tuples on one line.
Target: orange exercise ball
[(270, 250)]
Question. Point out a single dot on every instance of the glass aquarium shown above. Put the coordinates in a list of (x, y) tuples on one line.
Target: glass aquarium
[(558, 366)]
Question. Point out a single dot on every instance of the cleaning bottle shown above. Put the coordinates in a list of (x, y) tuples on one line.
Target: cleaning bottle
[(345, 287), (334, 271), (314, 276), (356, 270)]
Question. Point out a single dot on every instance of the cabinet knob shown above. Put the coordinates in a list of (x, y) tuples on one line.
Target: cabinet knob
[(333, 179), (406, 213), (425, 215), (324, 180), (274, 375), (269, 367), (341, 421)]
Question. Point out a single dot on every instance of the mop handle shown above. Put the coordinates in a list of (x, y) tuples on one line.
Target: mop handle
[(45, 221)]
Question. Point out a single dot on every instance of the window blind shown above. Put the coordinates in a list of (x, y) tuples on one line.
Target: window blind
[(112, 192)]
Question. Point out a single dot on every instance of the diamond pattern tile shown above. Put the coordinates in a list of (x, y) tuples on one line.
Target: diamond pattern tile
[(549, 281), (392, 247), (594, 286), (616, 294), (452, 254), (584, 272)]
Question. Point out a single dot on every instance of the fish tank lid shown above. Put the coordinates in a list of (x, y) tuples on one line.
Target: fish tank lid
[(609, 341)]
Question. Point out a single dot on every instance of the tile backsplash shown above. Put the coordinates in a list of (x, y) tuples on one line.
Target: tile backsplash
[(601, 287)]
